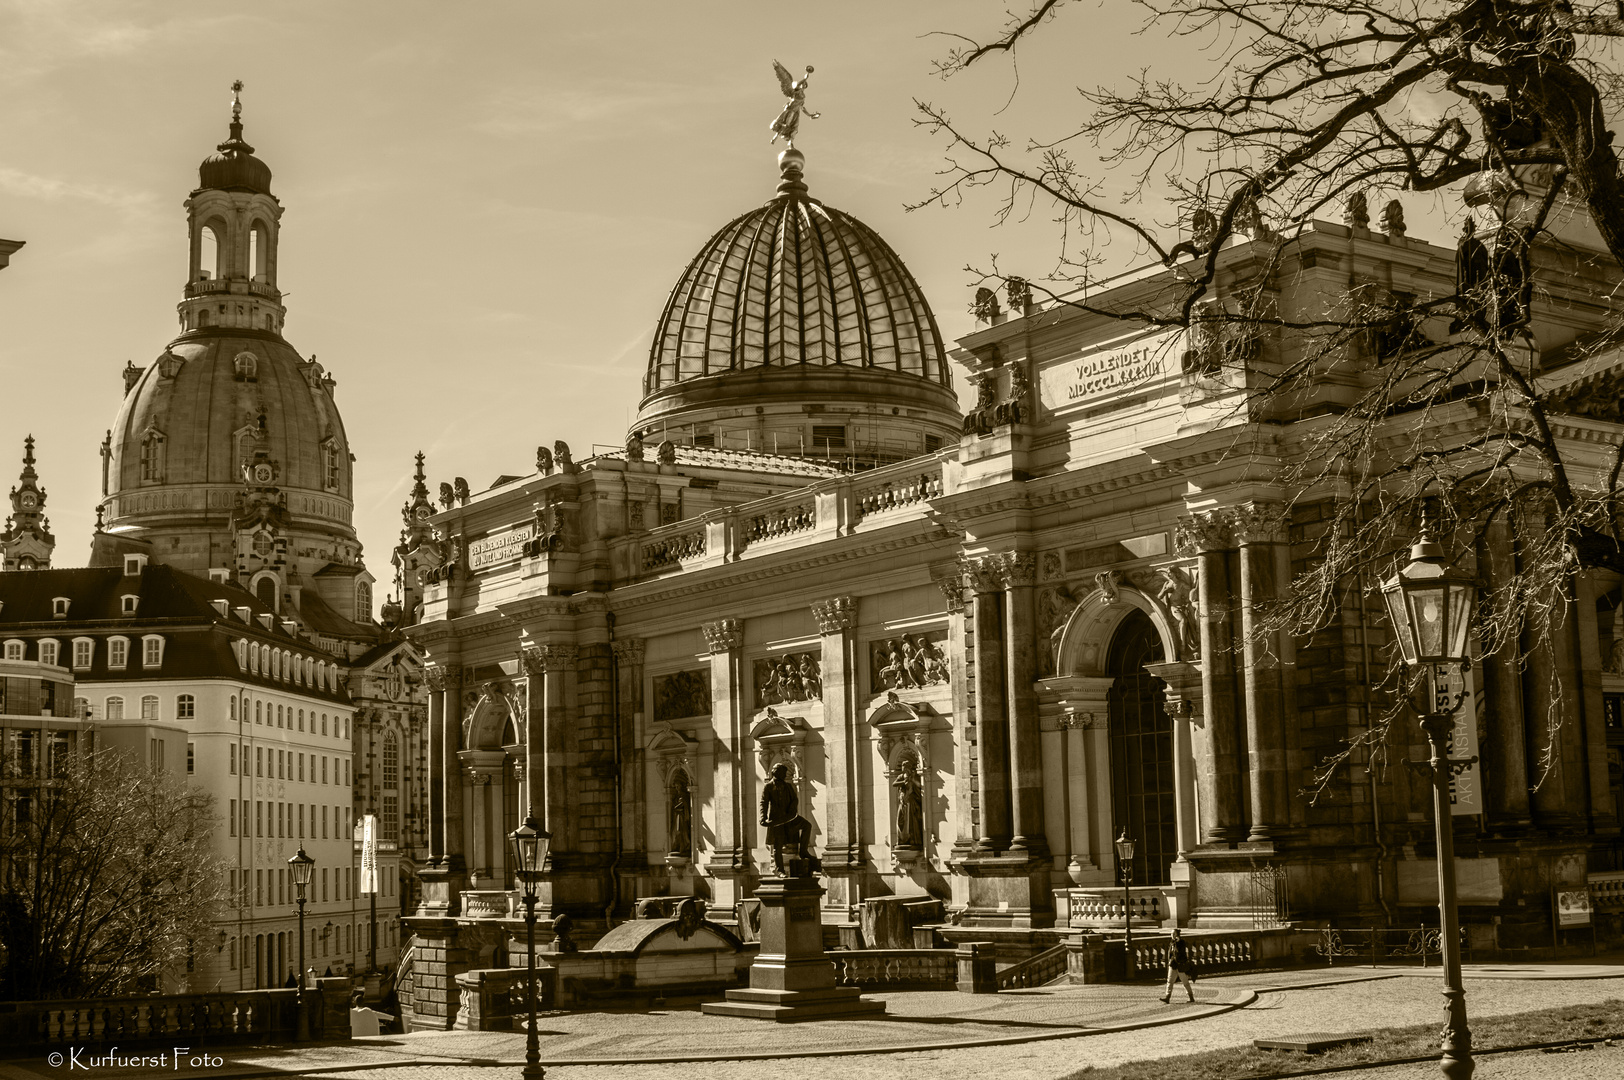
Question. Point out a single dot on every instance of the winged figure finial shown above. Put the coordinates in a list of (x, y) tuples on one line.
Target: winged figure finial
[(789, 118)]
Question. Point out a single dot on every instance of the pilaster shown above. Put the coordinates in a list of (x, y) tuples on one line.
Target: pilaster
[(1260, 529), (1017, 572), (1216, 744), (729, 859), (843, 855)]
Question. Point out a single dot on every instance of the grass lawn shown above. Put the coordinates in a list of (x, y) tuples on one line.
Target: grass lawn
[(1591, 1021)]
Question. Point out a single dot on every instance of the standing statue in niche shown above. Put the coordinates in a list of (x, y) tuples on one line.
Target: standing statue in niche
[(680, 840), (780, 813), (910, 823), (1177, 591)]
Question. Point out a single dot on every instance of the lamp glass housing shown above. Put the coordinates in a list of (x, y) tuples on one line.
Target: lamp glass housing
[(530, 842), (300, 866), (1124, 847), (1431, 609)]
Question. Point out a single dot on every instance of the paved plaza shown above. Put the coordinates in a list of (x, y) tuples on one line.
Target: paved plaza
[(1037, 1034)]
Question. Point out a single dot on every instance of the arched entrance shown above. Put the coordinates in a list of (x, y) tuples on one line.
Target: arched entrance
[(1143, 793)]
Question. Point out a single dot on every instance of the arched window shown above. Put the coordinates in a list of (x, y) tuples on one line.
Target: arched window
[(246, 365), (149, 707), (202, 319), (211, 250), (81, 708), (329, 460), (391, 760), (259, 249), (253, 657), (257, 707), (152, 456), (265, 589), (186, 707), (115, 708), (363, 601)]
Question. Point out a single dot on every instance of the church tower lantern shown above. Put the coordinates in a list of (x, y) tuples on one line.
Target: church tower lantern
[(27, 542)]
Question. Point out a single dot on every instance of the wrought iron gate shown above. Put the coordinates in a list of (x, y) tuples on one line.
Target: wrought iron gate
[(1271, 902)]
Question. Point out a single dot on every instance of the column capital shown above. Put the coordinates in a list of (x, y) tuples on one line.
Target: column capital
[(442, 676), (540, 659), (1209, 530), (982, 573), (837, 614), (629, 651), (1259, 522), (1016, 568), (723, 635), (951, 582)]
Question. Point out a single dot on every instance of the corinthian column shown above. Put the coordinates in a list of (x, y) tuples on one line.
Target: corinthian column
[(630, 730), (992, 753), (1017, 570), (551, 672), (434, 676), (450, 785), (730, 857), (1261, 530), (1216, 743), (843, 841)]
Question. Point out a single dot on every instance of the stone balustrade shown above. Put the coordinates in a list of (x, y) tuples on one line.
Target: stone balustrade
[(1035, 970), (773, 521), (1103, 907), (1607, 891), (1209, 953), (895, 493), (179, 1019), (896, 969), (671, 545)]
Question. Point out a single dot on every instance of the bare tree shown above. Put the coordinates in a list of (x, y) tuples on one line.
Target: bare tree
[(1433, 403), (108, 881)]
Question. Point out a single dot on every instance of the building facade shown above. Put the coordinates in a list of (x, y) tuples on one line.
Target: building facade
[(984, 658)]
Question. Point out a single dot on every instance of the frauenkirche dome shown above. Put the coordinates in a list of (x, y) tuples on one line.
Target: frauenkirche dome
[(792, 311)]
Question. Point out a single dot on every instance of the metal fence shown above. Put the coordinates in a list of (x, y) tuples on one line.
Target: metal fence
[(1376, 945), (1271, 900)]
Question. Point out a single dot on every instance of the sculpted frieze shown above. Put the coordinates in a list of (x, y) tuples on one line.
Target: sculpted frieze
[(682, 694), (909, 661), (788, 678)]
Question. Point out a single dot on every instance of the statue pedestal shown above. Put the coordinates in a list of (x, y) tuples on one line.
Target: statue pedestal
[(792, 978)]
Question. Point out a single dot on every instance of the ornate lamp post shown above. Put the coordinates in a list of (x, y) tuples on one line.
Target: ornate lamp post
[(529, 855), (300, 867), (1431, 611), (1124, 849)]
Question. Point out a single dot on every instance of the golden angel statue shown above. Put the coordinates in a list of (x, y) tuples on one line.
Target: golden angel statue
[(789, 120)]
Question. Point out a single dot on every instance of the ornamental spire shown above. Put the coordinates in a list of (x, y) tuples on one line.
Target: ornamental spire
[(27, 543)]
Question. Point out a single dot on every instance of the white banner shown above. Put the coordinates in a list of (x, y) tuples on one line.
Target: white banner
[(369, 855), (1465, 786)]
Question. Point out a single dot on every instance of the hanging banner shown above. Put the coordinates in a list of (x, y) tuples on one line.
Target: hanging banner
[(1465, 787), (369, 855)]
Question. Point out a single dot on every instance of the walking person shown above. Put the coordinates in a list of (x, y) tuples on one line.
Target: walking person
[(1178, 968)]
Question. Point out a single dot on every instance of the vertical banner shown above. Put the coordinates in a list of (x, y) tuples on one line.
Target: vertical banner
[(369, 855), (1452, 692)]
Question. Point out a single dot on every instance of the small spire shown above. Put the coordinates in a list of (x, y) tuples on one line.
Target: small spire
[(28, 451), (236, 101), (235, 144)]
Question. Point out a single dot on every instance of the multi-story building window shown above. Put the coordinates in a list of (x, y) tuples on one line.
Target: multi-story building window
[(152, 651), (391, 817), (115, 708), (191, 759), (118, 653), (185, 707), (49, 649), (83, 649), (149, 707)]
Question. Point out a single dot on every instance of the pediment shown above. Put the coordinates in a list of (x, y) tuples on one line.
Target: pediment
[(773, 727), (668, 740), (895, 714)]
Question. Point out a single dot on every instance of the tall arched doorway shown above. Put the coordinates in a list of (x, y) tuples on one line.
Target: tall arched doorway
[(1142, 789)]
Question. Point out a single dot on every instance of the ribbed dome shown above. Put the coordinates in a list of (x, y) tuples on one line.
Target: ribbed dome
[(791, 285), (234, 168)]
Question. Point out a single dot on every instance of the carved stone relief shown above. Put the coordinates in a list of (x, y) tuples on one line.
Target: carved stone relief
[(788, 678), (1054, 607), (909, 661), (682, 693)]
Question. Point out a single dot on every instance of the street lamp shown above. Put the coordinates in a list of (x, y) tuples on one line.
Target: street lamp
[(1124, 849), (529, 855), (300, 867), (1431, 611)]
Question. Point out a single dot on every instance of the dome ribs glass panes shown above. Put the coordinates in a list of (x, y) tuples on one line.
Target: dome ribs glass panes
[(795, 283)]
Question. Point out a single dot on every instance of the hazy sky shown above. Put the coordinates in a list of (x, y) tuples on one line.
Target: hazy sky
[(485, 203)]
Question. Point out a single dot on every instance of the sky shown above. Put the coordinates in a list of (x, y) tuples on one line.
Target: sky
[(485, 204)]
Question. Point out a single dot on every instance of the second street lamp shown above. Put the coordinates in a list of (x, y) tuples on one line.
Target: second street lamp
[(1124, 849), (1431, 611), (529, 856), (300, 867)]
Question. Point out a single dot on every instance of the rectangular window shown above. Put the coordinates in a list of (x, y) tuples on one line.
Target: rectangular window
[(185, 707), (346, 774), (324, 768), (118, 652), (191, 758), (831, 436), (324, 883), (301, 821), (259, 888), (259, 818), (231, 758), (259, 761), (48, 652), (152, 651), (149, 708), (301, 766), (233, 954), (391, 817), (115, 708), (245, 831), (324, 823), (234, 831), (81, 653)]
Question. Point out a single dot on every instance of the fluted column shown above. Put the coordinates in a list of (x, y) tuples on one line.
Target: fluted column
[(551, 671), (952, 585), (1260, 529), (630, 730), (1017, 571), (1505, 751), (1217, 743), (730, 855), (843, 843), (992, 746), (450, 785), (434, 676)]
